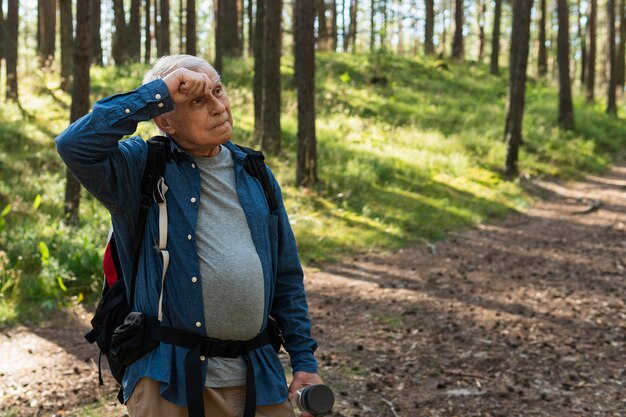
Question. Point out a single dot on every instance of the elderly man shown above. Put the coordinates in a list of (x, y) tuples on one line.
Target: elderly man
[(232, 262)]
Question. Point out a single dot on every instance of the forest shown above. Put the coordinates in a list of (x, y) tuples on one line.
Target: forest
[(432, 155)]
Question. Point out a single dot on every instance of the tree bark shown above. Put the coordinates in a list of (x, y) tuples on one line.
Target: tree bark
[(520, 36), (621, 49), (372, 25), (566, 109), (542, 58), (147, 31), (353, 24), (590, 73), (457, 43), (191, 37), (67, 44), (11, 49), (333, 22), (226, 32), (429, 27), (80, 99), (259, 29), (163, 38), (3, 33), (481, 11), (306, 171), (240, 25), (494, 68), (612, 61), (251, 33), (583, 47), (322, 25), (120, 47), (96, 39), (46, 31), (270, 138)]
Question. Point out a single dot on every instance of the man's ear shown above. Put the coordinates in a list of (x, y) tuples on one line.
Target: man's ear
[(163, 123)]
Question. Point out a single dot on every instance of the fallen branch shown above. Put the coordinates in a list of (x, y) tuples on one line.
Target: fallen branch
[(595, 205), (392, 407)]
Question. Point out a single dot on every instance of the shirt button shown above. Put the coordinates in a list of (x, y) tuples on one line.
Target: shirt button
[(158, 96), (126, 111), (194, 279), (188, 237), (193, 199), (202, 357), (198, 324), (160, 105), (193, 165)]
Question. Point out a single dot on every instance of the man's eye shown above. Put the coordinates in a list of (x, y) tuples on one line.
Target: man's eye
[(218, 91), (197, 100)]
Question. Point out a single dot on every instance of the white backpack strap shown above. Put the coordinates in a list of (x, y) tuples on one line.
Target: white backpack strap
[(159, 196)]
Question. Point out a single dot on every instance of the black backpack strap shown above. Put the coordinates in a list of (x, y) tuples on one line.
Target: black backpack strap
[(254, 164), (158, 154)]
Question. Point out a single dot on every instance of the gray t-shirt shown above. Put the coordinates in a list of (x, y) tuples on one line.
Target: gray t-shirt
[(231, 271)]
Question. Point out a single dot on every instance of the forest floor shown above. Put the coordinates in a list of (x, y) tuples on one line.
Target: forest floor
[(524, 316)]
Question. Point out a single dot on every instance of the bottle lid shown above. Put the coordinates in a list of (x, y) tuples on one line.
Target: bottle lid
[(317, 399)]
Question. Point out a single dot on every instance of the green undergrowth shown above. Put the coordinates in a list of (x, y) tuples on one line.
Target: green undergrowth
[(408, 149)]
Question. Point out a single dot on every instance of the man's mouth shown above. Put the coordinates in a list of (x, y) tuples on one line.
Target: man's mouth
[(218, 125)]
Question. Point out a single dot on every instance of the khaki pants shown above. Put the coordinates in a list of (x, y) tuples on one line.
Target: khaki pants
[(146, 401)]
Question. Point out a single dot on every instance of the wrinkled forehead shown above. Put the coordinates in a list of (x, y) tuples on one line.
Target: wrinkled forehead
[(210, 71)]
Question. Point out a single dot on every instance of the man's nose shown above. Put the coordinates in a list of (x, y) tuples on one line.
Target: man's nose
[(216, 107)]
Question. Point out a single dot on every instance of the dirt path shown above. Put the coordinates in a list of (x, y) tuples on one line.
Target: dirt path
[(521, 317)]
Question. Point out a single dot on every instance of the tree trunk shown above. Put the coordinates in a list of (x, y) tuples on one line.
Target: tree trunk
[(495, 38), (163, 37), (67, 44), (191, 41), (590, 73), (259, 29), (383, 33), (148, 33), (621, 50), (3, 33), (583, 47), (240, 25), (322, 25), (333, 21), (457, 43), (134, 31), (251, 33), (46, 31), (181, 25), (226, 32), (353, 24), (80, 99), (372, 25), (270, 139), (429, 27), (12, 26), (520, 35), (96, 39), (542, 58), (612, 61), (566, 109), (481, 11), (344, 27), (306, 170), (120, 47)]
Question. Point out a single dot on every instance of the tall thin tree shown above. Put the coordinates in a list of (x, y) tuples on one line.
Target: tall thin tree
[(457, 43), (494, 67), (581, 40), (2, 32), (542, 58), (611, 107), (46, 31), (257, 83), (566, 108), (147, 48), (270, 135), (306, 170), (590, 73), (226, 32), (190, 34), (334, 33), (621, 49), (322, 25), (429, 27), (11, 49), (353, 24), (520, 36), (251, 33), (481, 13), (163, 36), (134, 31), (96, 39), (372, 25), (67, 44), (80, 99)]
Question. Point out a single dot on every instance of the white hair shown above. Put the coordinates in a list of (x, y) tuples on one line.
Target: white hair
[(170, 63)]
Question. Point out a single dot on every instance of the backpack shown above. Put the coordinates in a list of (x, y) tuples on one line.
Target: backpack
[(114, 307)]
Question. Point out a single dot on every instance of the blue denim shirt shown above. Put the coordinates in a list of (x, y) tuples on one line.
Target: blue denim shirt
[(111, 170)]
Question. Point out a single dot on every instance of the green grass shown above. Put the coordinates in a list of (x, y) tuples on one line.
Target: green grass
[(399, 162)]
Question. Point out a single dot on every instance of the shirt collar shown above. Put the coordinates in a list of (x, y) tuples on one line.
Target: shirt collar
[(177, 151)]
